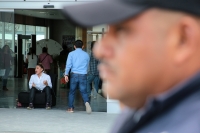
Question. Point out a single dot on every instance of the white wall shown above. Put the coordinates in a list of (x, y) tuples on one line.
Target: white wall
[(38, 4), (8, 4)]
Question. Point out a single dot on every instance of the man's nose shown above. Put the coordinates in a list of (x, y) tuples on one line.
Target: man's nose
[(103, 49)]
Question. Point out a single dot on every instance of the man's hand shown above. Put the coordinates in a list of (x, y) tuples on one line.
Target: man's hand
[(66, 78), (33, 85), (45, 82)]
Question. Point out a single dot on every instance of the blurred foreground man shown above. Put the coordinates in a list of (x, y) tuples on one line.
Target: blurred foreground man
[(150, 61)]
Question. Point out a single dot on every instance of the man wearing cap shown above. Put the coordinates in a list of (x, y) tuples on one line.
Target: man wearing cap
[(150, 61)]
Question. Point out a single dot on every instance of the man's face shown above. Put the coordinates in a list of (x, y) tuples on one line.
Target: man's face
[(133, 55)]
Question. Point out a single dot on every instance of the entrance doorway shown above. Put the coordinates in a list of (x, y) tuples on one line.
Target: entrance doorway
[(28, 27)]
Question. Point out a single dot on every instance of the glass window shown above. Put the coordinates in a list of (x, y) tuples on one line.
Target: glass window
[(40, 33), (7, 37), (19, 29), (1, 31), (95, 34), (30, 29), (9, 34)]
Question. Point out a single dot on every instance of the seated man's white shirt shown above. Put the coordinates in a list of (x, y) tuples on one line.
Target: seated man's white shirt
[(39, 82)]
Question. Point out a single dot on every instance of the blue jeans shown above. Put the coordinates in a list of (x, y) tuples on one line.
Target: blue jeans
[(92, 78), (78, 80)]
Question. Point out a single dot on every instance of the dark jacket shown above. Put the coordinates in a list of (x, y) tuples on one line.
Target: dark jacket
[(177, 111)]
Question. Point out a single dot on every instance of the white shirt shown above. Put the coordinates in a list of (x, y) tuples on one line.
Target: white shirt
[(32, 62), (39, 81)]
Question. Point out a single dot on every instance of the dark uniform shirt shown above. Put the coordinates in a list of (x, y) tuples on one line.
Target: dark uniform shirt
[(176, 111)]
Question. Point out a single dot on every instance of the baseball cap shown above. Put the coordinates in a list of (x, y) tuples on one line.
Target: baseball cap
[(114, 11)]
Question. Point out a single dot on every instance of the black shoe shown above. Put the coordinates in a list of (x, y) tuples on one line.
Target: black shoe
[(30, 106), (5, 88), (48, 106)]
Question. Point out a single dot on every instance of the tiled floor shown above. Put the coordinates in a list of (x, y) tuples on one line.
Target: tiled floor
[(8, 99), (54, 121)]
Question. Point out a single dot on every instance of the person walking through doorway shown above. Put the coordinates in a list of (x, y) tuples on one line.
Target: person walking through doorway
[(40, 82), (77, 61), (46, 60), (93, 74), (32, 62)]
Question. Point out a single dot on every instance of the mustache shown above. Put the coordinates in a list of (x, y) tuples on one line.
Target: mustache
[(102, 62), (106, 65)]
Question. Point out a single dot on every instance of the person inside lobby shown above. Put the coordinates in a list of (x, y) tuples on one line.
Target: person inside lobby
[(40, 82)]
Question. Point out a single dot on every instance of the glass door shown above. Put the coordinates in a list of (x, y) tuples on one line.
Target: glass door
[(7, 59)]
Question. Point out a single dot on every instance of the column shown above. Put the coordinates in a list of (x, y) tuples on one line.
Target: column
[(33, 42), (3, 33), (78, 33), (19, 56)]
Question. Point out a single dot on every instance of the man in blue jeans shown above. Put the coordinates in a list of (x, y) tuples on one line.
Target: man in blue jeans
[(77, 61), (93, 74)]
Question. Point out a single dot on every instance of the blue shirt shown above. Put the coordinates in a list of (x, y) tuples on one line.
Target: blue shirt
[(77, 61)]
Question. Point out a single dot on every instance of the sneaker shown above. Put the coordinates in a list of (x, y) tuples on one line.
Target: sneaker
[(88, 108), (48, 106), (70, 110), (30, 106)]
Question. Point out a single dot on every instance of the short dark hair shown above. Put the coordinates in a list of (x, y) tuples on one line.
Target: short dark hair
[(31, 50), (4, 47), (40, 65), (78, 44), (64, 46), (44, 50), (92, 44)]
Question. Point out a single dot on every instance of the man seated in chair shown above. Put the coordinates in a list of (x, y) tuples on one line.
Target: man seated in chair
[(40, 82)]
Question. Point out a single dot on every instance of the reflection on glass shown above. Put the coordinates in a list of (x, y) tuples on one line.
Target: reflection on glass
[(30, 29), (40, 32), (7, 45), (19, 29), (1, 31), (8, 34)]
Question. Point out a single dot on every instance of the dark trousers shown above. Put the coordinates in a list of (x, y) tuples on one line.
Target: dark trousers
[(48, 71), (31, 71), (47, 90)]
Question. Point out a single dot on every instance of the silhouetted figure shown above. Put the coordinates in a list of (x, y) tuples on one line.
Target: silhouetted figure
[(6, 61), (46, 60), (32, 62)]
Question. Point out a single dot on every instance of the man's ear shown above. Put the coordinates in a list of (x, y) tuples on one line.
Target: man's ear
[(74, 47), (188, 30), (83, 47)]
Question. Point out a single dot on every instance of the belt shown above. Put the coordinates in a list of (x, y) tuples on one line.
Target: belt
[(78, 73)]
